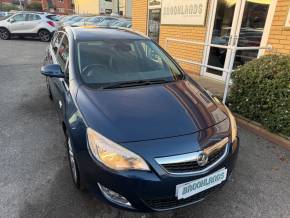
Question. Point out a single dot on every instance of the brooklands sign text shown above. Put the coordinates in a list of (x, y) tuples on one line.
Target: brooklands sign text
[(184, 12)]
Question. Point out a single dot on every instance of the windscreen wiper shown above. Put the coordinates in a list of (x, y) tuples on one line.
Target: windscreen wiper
[(135, 83)]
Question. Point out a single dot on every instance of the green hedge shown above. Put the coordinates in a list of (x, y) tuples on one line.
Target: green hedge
[(34, 6), (8, 7), (261, 92)]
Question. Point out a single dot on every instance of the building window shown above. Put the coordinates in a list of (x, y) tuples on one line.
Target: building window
[(60, 10), (108, 11)]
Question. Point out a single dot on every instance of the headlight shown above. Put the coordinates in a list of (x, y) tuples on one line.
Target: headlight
[(234, 127), (113, 155)]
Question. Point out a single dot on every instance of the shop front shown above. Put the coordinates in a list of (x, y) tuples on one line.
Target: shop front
[(202, 34)]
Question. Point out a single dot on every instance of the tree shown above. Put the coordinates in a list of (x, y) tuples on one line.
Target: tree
[(9, 7), (34, 6)]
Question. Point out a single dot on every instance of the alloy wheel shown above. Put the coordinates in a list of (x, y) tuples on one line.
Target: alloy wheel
[(44, 35), (72, 161), (4, 34)]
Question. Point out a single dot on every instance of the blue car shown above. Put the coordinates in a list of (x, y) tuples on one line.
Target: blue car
[(141, 134)]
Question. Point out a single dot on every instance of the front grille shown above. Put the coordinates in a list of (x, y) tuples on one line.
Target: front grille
[(173, 202), (185, 167)]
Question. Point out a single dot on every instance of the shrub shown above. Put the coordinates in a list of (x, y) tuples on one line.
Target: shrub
[(9, 7), (34, 6), (261, 92)]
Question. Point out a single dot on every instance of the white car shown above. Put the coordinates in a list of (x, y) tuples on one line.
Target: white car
[(42, 25)]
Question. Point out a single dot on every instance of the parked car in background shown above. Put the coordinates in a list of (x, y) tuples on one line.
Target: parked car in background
[(3, 14), (122, 23), (89, 21), (81, 22), (67, 18), (24, 24), (107, 21), (139, 131), (72, 21)]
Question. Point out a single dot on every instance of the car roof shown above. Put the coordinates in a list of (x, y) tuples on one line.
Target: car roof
[(35, 12), (91, 33)]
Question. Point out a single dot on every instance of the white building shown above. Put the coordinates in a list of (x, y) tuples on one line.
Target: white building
[(122, 7)]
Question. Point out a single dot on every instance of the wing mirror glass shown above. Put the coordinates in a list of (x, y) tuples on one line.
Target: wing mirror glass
[(52, 70)]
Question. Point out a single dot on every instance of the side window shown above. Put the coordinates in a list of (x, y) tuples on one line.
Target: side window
[(36, 17), (19, 17), (29, 17), (63, 56), (56, 42)]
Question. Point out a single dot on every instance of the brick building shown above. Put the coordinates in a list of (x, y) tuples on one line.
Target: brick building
[(58, 6), (206, 31)]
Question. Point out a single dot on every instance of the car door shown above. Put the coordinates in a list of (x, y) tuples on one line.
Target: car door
[(51, 58), (61, 85), (16, 24), (31, 22)]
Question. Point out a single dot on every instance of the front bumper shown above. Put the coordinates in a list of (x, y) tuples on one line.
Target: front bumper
[(147, 191)]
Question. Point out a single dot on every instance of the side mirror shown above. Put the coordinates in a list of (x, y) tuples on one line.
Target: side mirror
[(11, 20), (52, 70)]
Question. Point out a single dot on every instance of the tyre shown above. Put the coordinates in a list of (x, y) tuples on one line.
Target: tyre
[(44, 35), (48, 89), (73, 165), (4, 34)]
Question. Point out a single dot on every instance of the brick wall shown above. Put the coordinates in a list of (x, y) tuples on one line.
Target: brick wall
[(184, 51), (60, 7), (177, 50), (139, 15), (279, 36)]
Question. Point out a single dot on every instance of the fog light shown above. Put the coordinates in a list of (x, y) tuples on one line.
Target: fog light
[(114, 197)]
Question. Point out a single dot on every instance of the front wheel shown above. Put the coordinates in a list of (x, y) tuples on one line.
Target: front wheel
[(44, 35), (4, 34), (73, 165)]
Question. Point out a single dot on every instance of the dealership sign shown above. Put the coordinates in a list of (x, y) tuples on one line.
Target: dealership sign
[(185, 12), (287, 24)]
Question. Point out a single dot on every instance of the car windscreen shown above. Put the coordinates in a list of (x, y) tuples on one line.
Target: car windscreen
[(106, 62)]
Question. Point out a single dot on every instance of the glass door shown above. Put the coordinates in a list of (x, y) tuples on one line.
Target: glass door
[(236, 23), (154, 19), (154, 24), (251, 29)]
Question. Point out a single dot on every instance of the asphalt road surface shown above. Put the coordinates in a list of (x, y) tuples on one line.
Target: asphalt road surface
[(35, 180)]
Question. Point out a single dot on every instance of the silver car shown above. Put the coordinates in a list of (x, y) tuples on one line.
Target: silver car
[(42, 25)]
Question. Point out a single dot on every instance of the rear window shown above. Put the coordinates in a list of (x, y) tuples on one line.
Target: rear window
[(52, 17)]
